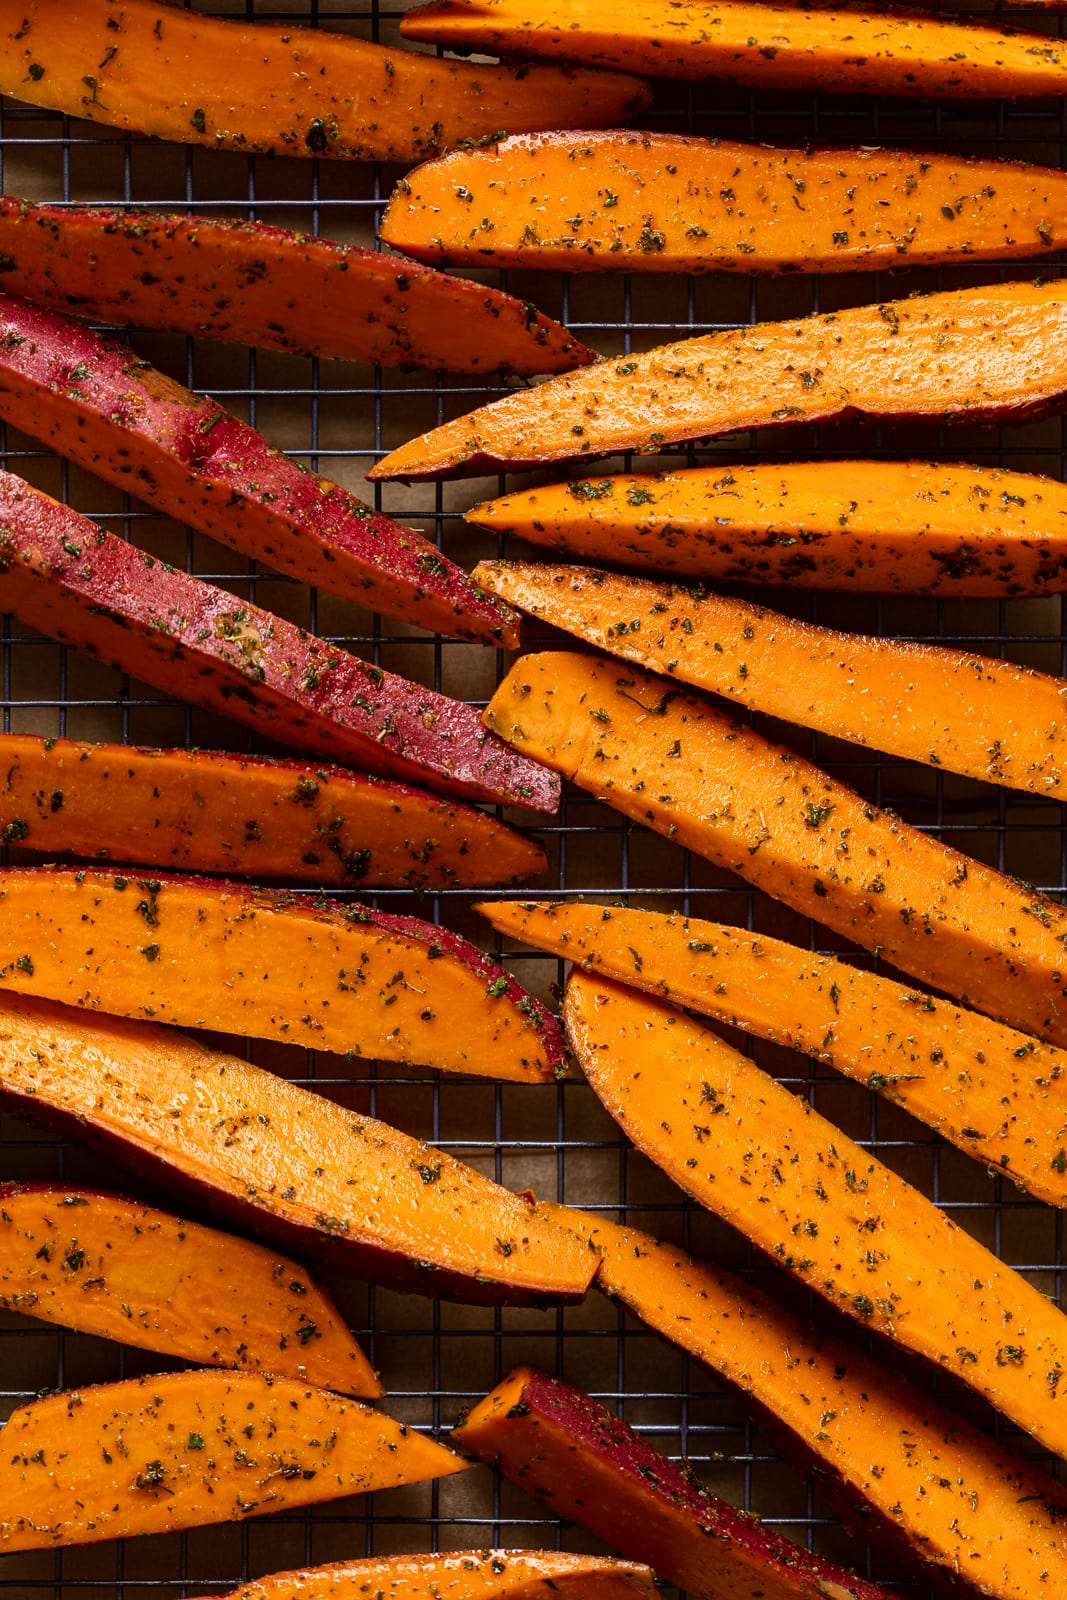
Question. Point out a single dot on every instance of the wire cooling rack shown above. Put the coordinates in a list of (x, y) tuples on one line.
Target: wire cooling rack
[(436, 1359)]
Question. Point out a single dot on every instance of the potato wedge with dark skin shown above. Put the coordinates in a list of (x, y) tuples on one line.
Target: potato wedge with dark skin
[(271, 288), (102, 406), (571, 1454), (329, 975), (184, 1449), (115, 1267), (65, 576), (237, 1142)]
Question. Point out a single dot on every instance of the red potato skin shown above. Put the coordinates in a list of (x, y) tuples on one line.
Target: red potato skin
[(256, 284), (63, 575), (114, 414), (590, 1467), (177, 1066), (991, 354)]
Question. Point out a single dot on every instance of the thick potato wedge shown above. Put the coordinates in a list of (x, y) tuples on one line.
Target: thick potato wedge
[(204, 953), (620, 201), (158, 69), (183, 1449), (460, 1575), (307, 1175), (112, 1266)]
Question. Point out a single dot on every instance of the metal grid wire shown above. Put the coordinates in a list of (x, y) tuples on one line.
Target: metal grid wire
[(435, 1359)]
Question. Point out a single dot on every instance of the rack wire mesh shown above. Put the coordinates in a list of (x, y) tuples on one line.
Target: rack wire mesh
[(437, 1358)]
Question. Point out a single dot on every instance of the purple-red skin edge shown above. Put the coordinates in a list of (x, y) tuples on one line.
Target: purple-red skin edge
[(207, 441), (32, 521), (548, 1028), (594, 1431), (386, 264)]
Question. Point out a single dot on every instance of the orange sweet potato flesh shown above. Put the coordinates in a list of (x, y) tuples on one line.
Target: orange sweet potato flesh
[(310, 1176), (590, 1467), (889, 527), (767, 46), (673, 762), (460, 1575), (748, 1149), (65, 576), (209, 811), (998, 1094), (115, 1267), (305, 971), (661, 202), (966, 713), (183, 1449), (996, 353), (961, 1499), (120, 418), (156, 69), (269, 287)]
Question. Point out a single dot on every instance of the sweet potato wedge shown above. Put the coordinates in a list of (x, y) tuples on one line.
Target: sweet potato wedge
[(675, 763), (592, 1468), (183, 1449), (460, 1575), (300, 1171), (118, 417), (894, 1455), (269, 287), (966, 713), (345, 978), (64, 575), (996, 353), (112, 1266), (150, 68), (829, 1211), (997, 1094), (889, 527), (661, 202), (770, 46), (207, 811)]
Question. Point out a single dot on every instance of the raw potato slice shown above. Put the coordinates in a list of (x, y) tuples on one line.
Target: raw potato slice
[(154, 69), (112, 1266), (661, 202), (207, 811), (893, 1454), (996, 353), (778, 46), (749, 1150), (890, 527), (966, 713), (269, 287), (673, 762), (65, 576), (183, 1449), (115, 415), (306, 1174), (460, 1575), (999, 1095), (208, 954), (592, 1468)]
